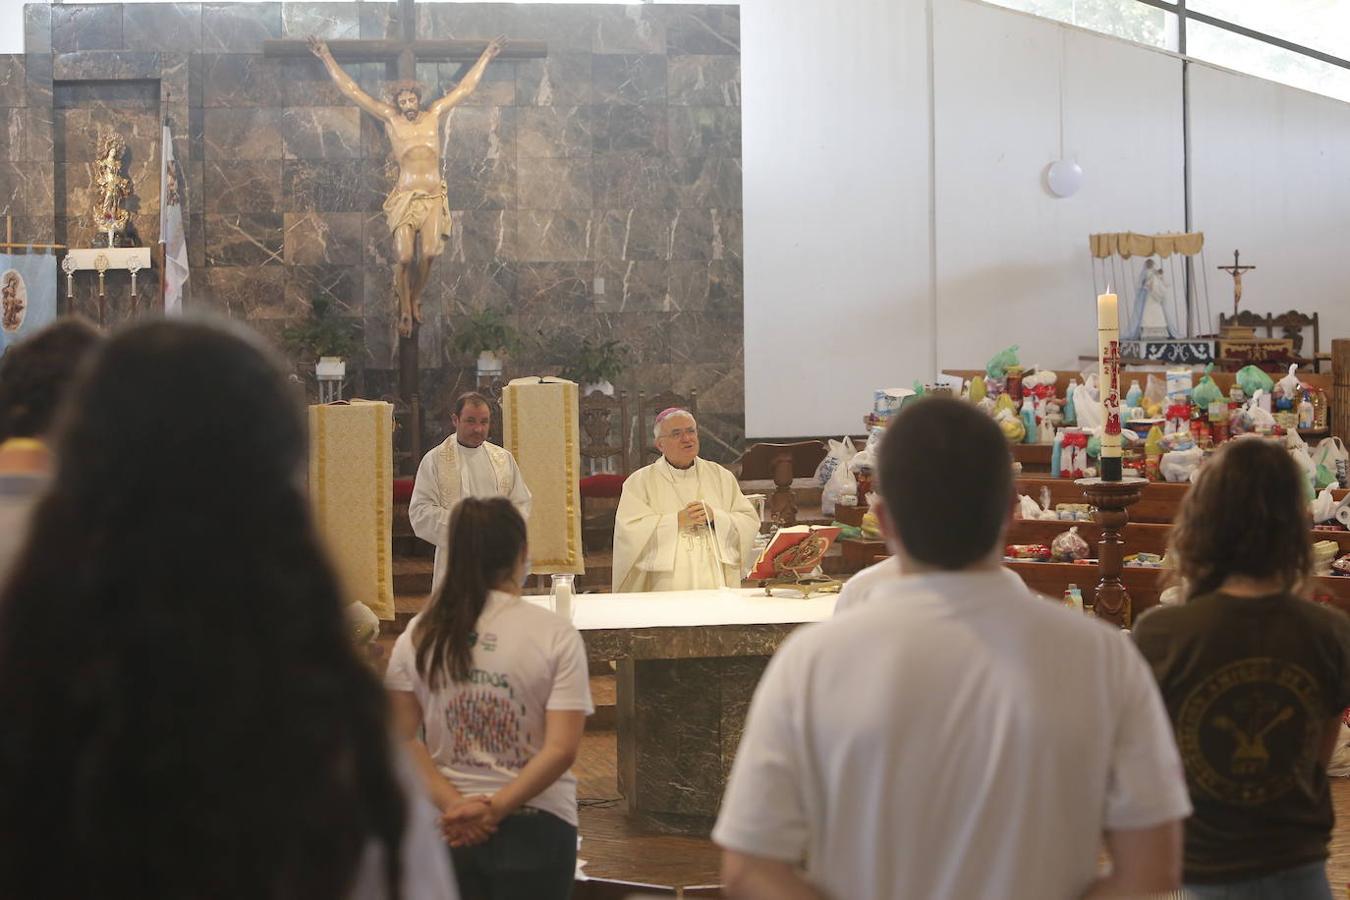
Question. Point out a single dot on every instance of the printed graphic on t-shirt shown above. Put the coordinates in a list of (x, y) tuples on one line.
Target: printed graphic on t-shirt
[(486, 725), (1244, 729)]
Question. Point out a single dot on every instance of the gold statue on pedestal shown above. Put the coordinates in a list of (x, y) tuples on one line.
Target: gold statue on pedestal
[(111, 188)]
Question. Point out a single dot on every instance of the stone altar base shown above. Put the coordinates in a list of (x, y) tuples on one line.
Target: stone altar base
[(676, 745)]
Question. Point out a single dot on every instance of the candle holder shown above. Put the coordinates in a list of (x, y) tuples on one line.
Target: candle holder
[(1112, 500)]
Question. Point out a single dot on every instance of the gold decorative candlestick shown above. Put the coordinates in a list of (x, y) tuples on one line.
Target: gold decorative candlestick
[(1112, 500)]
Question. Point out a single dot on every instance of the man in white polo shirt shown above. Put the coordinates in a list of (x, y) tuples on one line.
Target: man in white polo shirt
[(956, 735)]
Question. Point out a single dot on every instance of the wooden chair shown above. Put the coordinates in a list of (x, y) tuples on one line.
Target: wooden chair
[(1259, 323), (650, 407), (1292, 325), (605, 436)]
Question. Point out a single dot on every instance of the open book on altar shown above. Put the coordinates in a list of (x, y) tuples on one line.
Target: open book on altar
[(797, 550)]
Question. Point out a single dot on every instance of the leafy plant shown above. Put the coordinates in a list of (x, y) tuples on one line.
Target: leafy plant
[(322, 333), (595, 362), (484, 330)]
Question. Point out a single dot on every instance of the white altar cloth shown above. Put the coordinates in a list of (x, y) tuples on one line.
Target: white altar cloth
[(691, 609)]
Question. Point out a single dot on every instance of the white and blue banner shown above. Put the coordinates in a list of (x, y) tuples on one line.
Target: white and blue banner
[(27, 295)]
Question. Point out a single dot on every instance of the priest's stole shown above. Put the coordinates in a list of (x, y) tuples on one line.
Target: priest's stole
[(351, 488), (540, 428)]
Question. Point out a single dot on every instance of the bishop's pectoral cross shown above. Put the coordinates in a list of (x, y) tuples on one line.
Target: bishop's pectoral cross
[(417, 210), (1236, 271)]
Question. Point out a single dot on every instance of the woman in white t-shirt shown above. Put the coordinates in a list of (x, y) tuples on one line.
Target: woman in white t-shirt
[(499, 688)]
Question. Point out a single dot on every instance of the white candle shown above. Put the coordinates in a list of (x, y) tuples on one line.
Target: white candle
[(562, 598), (1108, 330)]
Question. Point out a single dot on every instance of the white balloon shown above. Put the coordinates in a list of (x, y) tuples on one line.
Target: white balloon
[(1064, 177)]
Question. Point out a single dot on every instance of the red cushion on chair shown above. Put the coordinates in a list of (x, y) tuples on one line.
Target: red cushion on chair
[(403, 488), (602, 485)]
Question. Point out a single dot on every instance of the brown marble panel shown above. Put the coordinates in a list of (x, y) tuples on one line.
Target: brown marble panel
[(38, 73), (37, 28), (699, 336), (467, 21), (175, 73), (555, 235), (703, 80), (497, 88), (688, 285), (631, 129), (141, 95), (642, 234), (86, 26), (561, 79), (242, 79), (633, 285), (707, 181), (703, 30), (554, 184), (330, 21), (557, 287), (314, 239), (677, 732), (726, 287), (631, 28), (241, 292), (623, 78), (567, 28), (636, 181), (705, 130), (739, 678), (233, 239), (321, 132), (705, 234), (379, 321), (304, 82), (326, 186), (239, 27), (479, 235), (78, 132), (462, 288), (481, 183), (26, 189), (13, 81), (342, 285), (162, 26), (379, 19), (16, 131), (554, 132), (243, 134), (480, 133), (36, 230), (196, 225)]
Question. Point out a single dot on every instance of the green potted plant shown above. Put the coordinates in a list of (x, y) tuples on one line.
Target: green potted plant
[(325, 337), (596, 364), (488, 335)]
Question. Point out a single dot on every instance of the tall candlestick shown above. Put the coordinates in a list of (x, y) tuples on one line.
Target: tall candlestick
[(1108, 342)]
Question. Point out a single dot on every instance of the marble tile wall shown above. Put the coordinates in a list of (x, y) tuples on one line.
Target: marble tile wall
[(595, 193)]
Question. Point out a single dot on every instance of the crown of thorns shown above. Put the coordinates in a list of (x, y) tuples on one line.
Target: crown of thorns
[(398, 87)]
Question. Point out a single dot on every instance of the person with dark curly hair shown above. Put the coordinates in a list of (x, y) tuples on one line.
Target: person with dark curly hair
[(34, 377), (184, 715), (1254, 677)]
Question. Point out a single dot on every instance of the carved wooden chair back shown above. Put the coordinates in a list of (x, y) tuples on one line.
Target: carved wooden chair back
[(605, 428), (1259, 322), (1292, 325)]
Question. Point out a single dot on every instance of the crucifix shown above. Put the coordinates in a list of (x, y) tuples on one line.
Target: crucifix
[(1236, 271), (417, 209)]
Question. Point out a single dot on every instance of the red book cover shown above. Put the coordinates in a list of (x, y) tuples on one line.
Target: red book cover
[(798, 549)]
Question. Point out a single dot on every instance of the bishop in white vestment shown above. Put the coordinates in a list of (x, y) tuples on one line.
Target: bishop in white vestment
[(465, 465), (682, 523)]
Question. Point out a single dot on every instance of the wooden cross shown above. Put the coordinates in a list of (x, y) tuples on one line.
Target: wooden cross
[(406, 51), (1236, 271)]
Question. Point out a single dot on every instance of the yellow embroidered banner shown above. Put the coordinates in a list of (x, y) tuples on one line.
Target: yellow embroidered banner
[(351, 488), (539, 419)]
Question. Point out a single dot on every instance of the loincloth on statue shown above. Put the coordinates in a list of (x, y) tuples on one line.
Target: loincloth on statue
[(419, 209)]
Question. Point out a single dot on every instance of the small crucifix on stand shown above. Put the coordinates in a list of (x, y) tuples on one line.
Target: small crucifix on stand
[(417, 210), (1236, 271)]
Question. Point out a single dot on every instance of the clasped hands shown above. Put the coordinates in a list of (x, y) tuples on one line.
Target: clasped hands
[(695, 515), (470, 821)]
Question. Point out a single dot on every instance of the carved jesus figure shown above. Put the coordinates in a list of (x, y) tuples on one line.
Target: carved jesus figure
[(417, 209)]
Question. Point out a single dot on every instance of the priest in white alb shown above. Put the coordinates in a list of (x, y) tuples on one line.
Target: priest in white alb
[(682, 523), (467, 464)]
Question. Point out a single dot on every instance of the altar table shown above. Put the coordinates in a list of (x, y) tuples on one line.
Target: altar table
[(688, 663)]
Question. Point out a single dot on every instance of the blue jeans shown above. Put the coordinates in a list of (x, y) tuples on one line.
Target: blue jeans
[(533, 856), (1302, 883)]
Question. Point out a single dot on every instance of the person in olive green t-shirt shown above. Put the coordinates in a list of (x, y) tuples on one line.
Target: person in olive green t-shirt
[(1254, 679)]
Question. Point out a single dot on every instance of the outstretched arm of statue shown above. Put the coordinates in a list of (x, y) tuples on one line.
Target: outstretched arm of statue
[(346, 83), (469, 83)]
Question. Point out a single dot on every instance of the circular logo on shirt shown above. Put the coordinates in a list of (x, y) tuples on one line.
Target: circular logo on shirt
[(1245, 730)]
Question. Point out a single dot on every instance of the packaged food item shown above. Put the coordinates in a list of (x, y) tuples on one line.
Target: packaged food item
[(1032, 552), (1069, 546), (1073, 597)]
